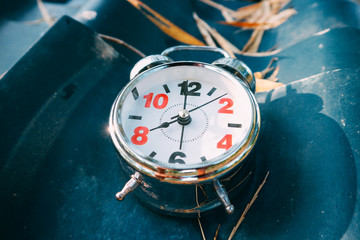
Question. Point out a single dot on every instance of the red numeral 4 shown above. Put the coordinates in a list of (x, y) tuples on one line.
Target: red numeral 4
[(225, 142)]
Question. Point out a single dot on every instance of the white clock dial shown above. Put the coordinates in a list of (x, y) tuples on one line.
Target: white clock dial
[(185, 115)]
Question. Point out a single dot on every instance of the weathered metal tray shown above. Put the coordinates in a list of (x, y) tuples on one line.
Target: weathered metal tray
[(59, 171)]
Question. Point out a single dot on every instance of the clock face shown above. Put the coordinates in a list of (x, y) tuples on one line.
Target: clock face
[(185, 115)]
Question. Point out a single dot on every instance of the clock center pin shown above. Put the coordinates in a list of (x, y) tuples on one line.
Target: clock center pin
[(184, 117)]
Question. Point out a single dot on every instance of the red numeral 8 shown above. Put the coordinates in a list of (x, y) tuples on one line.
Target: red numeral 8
[(140, 137)]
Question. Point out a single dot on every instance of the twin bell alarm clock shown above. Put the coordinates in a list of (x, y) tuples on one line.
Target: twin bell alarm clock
[(184, 129)]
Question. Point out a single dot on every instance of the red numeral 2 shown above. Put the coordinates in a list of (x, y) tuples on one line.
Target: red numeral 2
[(139, 137), (156, 102), (229, 104), (225, 142)]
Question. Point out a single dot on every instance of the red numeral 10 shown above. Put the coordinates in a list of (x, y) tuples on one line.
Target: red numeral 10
[(229, 104), (157, 103), (225, 142), (139, 137)]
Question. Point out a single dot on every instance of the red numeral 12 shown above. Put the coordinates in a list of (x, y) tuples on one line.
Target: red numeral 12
[(225, 142)]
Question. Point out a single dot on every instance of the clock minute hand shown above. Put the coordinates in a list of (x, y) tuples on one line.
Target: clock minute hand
[(191, 110)]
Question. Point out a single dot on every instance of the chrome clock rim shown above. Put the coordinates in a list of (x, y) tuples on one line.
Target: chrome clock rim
[(194, 173)]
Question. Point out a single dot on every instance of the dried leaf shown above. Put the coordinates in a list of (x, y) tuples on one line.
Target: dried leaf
[(261, 13), (254, 47), (45, 14), (224, 44), (203, 30), (272, 21), (263, 85), (282, 3), (254, 42), (258, 75), (218, 6), (165, 25), (245, 12), (243, 24), (261, 54), (280, 18), (228, 16)]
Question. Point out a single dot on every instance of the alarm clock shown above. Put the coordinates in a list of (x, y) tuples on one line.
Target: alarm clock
[(183, 131)]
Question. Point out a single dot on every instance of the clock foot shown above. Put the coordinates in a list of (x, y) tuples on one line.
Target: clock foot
[(223, 196), (133, 183)]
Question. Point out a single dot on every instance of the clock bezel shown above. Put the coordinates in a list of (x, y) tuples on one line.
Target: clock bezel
[(194, 173)]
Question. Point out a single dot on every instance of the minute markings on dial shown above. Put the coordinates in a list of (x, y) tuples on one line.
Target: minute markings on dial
[(191, 110), (235, 125), (135, 93), (135, 117), (152, 154), (166, 88), (211, 91)]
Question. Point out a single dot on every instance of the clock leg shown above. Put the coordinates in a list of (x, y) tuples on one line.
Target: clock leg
[(133, 183), (223, 196)]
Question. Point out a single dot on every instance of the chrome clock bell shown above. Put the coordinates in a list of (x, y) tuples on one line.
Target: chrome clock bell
[(184, 129)]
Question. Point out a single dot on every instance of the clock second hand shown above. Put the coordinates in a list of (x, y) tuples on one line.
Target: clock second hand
[(167, 124), (202, 105)]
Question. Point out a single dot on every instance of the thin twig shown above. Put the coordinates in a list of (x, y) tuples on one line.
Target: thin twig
[(123, 43), (269, 67), (201, 229), (198, 218), (217, 231), (273, 76), (248, 207), (241, 182)]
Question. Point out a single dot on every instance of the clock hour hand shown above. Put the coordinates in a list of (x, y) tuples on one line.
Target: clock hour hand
[(163, 125)]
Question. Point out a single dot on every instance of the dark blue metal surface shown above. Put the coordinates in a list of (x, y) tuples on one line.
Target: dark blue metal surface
[(58, 169)]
